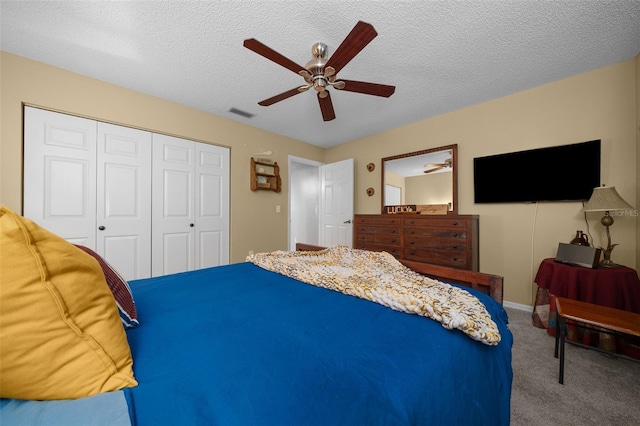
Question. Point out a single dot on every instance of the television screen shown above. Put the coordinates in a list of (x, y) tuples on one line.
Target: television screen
[(559, 173)]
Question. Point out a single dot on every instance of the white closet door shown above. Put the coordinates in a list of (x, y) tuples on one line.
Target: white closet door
[(60, 174), (124, 199), (212, 206), (173, 218)]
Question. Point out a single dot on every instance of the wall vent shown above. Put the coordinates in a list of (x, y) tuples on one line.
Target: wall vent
[(241, 112)]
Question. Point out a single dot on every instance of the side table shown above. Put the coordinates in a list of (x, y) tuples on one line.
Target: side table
[(617, 288)]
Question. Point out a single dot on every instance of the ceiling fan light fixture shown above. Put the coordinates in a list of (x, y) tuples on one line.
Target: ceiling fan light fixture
[(320, 72), (316, 65), (319, 83)]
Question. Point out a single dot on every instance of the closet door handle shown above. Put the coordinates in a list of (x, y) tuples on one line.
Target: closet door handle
[(102, 228), (191, 225)]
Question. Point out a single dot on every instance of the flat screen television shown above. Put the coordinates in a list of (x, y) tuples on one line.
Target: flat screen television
[(558, 173)]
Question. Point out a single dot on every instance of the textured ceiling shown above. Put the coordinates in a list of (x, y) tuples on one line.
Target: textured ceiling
[(440, 55)]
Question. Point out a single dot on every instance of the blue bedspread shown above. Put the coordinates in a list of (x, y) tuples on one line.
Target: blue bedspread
[(238, 345)]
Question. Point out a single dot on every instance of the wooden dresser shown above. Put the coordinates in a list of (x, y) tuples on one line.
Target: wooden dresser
[(448, 240)]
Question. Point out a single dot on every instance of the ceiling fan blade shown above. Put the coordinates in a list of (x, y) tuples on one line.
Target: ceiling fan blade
[(368, 88), (280, 97), (272, 55), (358, 38), (434, 169), (326, 106)]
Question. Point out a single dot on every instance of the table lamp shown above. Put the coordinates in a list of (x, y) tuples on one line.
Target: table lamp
[(606, 199)]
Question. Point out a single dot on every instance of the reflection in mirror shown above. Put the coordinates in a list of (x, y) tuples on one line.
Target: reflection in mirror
[(427, 179)]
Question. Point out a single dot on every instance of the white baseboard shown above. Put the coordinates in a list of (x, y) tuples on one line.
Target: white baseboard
[(518, 306)]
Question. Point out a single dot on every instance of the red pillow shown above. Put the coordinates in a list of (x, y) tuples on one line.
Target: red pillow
[(120, 289)]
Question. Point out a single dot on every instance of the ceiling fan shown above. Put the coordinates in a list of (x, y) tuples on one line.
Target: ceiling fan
[(447, 164), (321, 73)]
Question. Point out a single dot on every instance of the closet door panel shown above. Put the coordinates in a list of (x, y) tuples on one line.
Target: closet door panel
[(173, 218), (177, 253), (124, 199), (60, 174)]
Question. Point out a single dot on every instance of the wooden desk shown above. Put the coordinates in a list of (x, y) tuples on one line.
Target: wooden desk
[(614, 321)]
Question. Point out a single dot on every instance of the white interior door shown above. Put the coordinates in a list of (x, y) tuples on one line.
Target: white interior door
[(172, 217), (211, 206), (60, 174), (124, 199), (336, 204)]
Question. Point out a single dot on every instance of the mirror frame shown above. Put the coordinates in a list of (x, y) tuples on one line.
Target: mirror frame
[(454, 157)]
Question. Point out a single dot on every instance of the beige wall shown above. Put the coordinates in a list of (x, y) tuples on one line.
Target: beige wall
[(255, 225), (637, 129), (436, 188), (514, 238)]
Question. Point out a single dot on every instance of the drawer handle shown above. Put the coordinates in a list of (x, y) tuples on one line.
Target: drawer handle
[(455, 235), (455, 223), (412, 232), (393, 241), (393, 231), (412, 242)]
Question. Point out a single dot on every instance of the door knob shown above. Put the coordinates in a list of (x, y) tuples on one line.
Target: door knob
[(191, 225), (102, 228), (347, 221)]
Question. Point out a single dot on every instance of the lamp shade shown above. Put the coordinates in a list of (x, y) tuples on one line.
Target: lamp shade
[(606, 198)]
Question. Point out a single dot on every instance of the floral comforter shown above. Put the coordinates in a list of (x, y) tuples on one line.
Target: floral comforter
[(380, 278)]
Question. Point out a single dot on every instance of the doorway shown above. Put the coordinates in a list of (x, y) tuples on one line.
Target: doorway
[(320, 202), (304, 198)]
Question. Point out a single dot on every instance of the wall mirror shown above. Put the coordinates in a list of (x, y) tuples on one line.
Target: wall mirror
[(427, 178)]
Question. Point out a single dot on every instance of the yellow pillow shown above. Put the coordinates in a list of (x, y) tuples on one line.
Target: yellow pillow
[(60, 332)]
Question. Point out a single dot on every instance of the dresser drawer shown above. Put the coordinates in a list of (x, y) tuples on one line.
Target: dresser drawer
[(437, 257), (452, 244), (426, 233), (384, 230), (436, 222), (395, 251), (390, 239), (379, 220)]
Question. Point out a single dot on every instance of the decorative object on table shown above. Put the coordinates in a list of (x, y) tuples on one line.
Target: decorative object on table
[(581, 239), (606, 199), (578, 255), (407, 208), (371, 167), (432, 208)]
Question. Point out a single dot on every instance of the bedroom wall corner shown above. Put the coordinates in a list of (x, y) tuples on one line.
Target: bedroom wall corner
[(254, 223), (515, 238)]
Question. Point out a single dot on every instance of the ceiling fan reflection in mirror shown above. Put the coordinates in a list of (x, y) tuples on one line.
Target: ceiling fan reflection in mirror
[(432, 167), (321, 73)]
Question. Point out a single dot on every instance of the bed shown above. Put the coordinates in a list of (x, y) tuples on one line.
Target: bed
[(243, 345)]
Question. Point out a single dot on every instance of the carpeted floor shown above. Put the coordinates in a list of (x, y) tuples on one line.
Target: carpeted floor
[(598, 389)]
